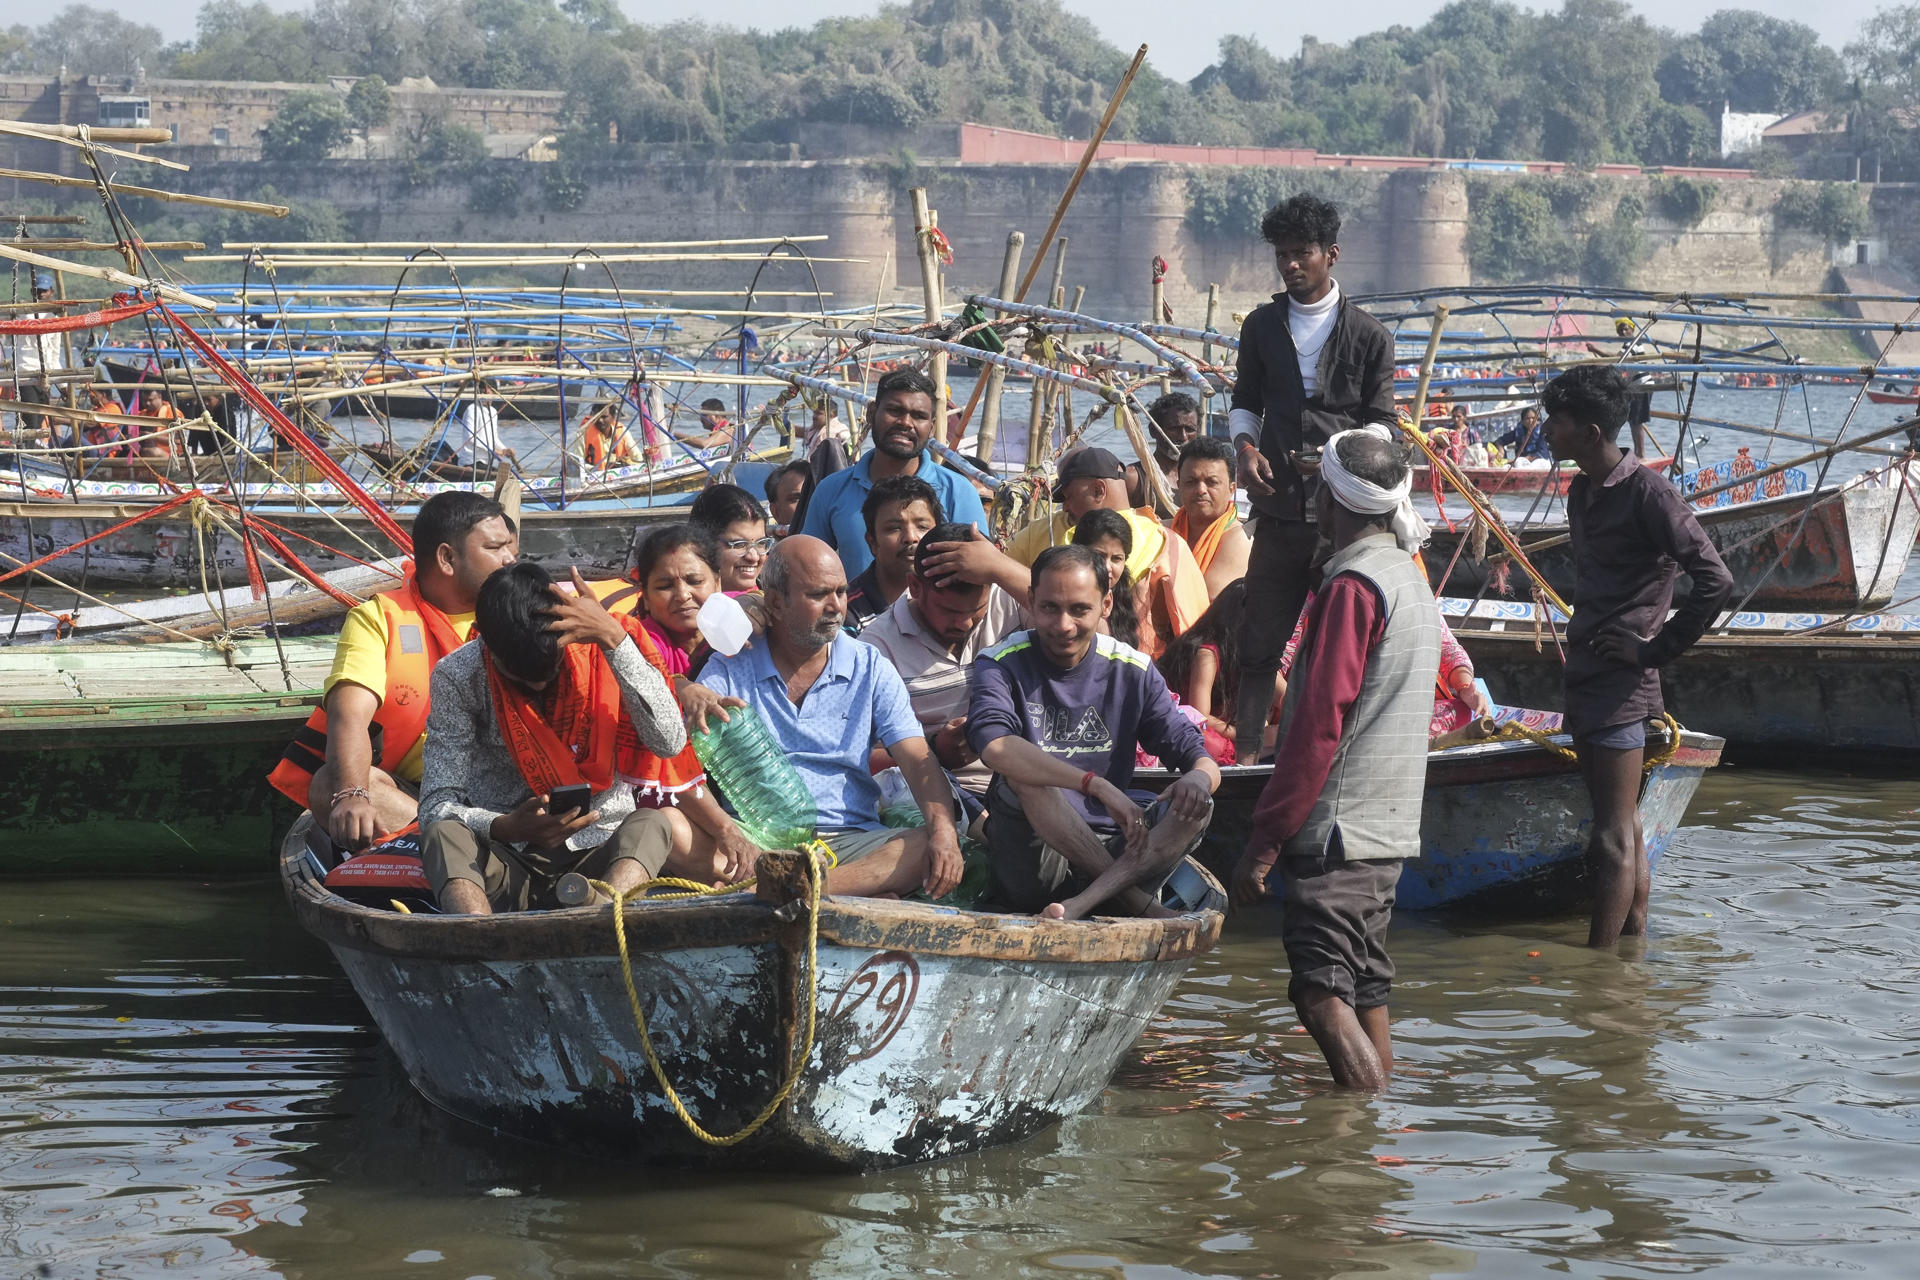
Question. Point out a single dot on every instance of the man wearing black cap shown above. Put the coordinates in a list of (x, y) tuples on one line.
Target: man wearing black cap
[(35, 357), (1311, 364), (1090, 480)]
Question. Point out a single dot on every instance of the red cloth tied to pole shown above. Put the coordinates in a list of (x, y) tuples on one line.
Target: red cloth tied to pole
[(86, 320), (303, 444)]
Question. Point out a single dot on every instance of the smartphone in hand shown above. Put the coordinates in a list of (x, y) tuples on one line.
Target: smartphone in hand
[(564, 802)]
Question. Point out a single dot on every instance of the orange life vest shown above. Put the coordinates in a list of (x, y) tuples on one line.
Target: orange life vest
[(606, 443), (412, 654), (418, 636)]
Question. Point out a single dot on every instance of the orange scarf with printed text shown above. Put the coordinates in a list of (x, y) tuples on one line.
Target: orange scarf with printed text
[(584, 734)]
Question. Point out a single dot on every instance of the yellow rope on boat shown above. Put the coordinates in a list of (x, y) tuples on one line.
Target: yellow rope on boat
[(822, 860), (1520, 733)]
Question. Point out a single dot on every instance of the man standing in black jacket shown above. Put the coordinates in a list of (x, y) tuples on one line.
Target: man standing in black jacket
[(1311, 364)]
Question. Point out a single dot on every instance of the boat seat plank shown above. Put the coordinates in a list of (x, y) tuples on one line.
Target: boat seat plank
[(39, 686)]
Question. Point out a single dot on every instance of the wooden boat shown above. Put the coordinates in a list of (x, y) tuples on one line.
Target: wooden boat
[(938, 1031), (165, 552), (1523, 479), (1837, 549), (290, 603), (1503, 827), (138, 759), (1893, 397), (1774, 694)]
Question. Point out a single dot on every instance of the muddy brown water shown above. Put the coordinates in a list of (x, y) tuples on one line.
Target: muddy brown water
[(189, 1087)]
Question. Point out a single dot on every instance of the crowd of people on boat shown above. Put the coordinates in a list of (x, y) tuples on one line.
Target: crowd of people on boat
[(534, 723)]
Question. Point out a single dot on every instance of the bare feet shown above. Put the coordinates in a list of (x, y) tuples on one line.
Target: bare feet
[(1053, 911)]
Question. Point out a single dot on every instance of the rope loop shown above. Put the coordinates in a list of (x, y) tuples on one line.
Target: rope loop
[(822, 860)]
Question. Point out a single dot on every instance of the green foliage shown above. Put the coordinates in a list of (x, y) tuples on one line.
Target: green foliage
[(1581, 81), (1686, 201), (308, 125), (1834, 211), (369, 104), (1228, 202), (494, 194), (1616, 247), (564, 186), (1513, 234)]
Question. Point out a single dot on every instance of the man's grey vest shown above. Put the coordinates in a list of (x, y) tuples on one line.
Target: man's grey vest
[(1379, 772)]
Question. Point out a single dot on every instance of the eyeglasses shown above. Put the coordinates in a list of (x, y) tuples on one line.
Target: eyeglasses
[(762, 545)]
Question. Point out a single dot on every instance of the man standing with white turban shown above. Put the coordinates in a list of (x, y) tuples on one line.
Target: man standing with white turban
[(1311, 363), (1342, 810)]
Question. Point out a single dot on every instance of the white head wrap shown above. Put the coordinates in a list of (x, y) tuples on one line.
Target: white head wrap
[(1369, 499)]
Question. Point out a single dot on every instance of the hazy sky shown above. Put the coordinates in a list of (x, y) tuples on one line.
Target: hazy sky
[(1181, 45)]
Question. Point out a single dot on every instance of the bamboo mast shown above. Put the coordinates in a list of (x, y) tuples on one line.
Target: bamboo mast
[(923, 226), (1066, 198), (997, 376)]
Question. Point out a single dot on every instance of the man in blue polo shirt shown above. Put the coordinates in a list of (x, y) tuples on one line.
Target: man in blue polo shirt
[(828, 700), (900, 422)]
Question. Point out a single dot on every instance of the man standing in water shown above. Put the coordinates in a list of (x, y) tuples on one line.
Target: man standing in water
[(1342, 810), (1632, 533), (1311, 364)]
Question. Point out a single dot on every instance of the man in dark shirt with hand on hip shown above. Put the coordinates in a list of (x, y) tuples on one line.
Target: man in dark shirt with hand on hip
[(1311, 364), (1632, 534)]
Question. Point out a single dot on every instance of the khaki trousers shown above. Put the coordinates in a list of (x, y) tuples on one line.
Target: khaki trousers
[(523, 879)]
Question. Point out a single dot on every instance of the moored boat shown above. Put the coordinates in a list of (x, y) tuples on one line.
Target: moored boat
[(1772, 685), (140, 759), (934, 1031), (1503, 826), (1841, 548)]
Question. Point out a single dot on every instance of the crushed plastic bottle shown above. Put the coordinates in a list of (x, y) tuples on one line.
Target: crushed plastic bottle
[(898, 808), (768, 798)]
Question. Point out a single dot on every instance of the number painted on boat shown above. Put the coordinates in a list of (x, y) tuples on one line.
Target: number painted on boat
[(874, 1003)]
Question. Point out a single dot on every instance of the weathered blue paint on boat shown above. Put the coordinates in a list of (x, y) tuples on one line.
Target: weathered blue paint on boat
[(1504, 824), (940, 1031)]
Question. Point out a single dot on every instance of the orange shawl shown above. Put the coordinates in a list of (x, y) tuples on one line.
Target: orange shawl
[(1208, 545), (585, 735)]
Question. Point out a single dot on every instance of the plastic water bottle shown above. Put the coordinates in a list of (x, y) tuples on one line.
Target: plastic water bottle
[(770, 802), (898, 808)]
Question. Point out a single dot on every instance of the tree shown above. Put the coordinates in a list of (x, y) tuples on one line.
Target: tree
[(1595, 59), (90, 41), (369, 104), (1768, 64), (239, 41), (1885, 94), (308, 126)]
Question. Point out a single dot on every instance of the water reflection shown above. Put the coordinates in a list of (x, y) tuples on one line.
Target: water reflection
[(187, 1087)]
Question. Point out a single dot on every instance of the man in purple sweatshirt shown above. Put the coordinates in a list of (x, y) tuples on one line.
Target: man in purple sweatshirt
[(1056, 713)]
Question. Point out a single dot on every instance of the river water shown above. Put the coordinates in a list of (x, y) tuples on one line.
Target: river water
[(188, 1086)]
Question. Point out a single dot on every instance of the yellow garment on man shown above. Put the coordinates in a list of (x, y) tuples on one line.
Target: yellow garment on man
[(361, 658), (1149, 538)]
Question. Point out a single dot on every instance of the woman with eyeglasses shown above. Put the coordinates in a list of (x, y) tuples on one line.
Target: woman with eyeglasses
[(737, 524)]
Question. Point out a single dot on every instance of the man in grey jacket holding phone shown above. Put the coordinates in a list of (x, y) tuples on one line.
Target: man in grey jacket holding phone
[(1311, 364)]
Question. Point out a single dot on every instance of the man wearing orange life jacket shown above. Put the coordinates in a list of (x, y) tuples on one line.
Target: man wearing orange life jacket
[(604, 443), (356, 763)]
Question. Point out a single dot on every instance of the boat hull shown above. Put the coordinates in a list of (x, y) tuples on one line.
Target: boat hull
[(1848, 553), (1503, 827), (938, 1031), (1770, 696)]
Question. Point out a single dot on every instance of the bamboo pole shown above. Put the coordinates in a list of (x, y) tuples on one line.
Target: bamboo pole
[(284, 261), (1163, 503), (91, 142), (997, 376), (94, 133), (363, 246), (1213, 320), (1036, 424), (1426, 362), (923, 225), (106, 273), (150, 193), (1159, 304), (103, 246)]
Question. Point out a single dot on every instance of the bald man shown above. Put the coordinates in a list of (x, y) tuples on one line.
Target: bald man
[(828, 700)]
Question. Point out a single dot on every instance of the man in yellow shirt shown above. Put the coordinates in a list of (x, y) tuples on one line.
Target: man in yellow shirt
[(356, 763), (1092, 479)]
